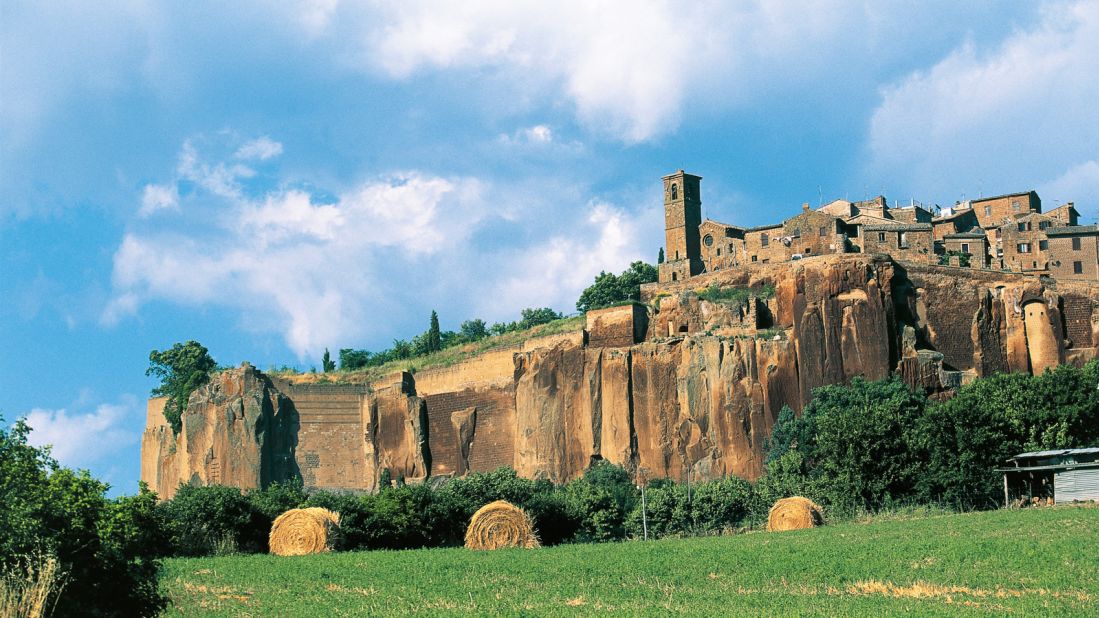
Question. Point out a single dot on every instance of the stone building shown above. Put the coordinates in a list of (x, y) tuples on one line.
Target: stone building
[(973, 243), (1016, 234), (904, 241), (1074, 252)]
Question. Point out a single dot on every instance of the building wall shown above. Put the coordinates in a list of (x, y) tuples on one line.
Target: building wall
[(1063, 256), (725, 248), (960, 222), (813, 233), (1033, 235), (977, 248), (682, 216), (918, 244), (757, 252), (912, 214), (993, 212)]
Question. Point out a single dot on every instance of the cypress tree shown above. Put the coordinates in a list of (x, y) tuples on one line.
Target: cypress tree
[(660, 256), (434, 337)]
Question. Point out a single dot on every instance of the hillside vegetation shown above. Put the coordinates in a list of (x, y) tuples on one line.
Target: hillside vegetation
[(1035, 561)]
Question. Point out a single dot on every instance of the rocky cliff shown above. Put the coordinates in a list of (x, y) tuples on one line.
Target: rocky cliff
[(689, 384)]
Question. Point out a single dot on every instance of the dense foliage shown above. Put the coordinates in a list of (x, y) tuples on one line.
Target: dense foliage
[(107, 549), (610, 289), (181, 369)]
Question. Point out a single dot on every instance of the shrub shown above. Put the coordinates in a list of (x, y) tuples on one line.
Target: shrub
[(214, 520), (609, 289)]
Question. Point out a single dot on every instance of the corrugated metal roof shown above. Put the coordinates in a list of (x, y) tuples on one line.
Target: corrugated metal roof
[(1060, 452)]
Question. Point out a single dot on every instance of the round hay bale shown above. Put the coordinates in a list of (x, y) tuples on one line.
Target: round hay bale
[(500, 524), (794, 514), (304, 531)]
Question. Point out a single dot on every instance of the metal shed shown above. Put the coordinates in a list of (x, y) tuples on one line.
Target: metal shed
[(1065, 475)]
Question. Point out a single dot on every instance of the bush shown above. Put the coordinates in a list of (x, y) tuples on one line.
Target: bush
[(609, 289), (277, 498), (106, 549), (600, 501), (214, 520)]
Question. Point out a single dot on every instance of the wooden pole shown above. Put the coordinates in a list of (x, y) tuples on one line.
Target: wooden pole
[(1006, 501)]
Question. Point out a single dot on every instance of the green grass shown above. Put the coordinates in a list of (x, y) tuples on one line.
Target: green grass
[(1032, 561), (443, 358)]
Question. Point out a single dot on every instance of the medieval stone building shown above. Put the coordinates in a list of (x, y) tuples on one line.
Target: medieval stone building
[(1006, 232)]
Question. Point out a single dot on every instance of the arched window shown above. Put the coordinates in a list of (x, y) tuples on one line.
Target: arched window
[(675, 191)]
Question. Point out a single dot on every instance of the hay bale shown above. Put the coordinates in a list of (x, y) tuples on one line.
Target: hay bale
[(500, 524), (304, 531), (794, 514)]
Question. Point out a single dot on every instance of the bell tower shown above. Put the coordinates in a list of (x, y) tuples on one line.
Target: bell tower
[(682, 216)]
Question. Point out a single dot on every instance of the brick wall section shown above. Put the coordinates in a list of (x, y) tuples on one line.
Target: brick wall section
[(918, 245), (493, 436), (1076, 313), (995, 211), (1063, 255), (330, 439), (616, 327)]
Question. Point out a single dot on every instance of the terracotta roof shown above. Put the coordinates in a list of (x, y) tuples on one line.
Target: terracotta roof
[(1069, 230), (999, 197), (898, 227), (763, 227)]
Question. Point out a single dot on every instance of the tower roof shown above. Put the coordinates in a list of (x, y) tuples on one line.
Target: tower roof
[(680, 173)]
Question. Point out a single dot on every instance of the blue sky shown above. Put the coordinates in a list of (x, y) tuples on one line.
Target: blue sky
[(275, 179)]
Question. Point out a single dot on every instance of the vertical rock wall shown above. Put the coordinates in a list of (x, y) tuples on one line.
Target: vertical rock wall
[(700, 395)]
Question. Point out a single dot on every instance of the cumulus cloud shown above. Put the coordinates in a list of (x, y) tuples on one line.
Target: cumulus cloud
[(262, 149), (1007, 115), (328, 271), (87, 438), (158, 197)]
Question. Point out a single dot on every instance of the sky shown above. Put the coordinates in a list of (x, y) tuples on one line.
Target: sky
[(275, 179)]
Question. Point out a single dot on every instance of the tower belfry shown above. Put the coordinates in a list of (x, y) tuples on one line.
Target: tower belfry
[(682, 216)]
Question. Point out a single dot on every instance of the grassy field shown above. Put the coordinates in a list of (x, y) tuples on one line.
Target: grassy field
[(1035, 561)]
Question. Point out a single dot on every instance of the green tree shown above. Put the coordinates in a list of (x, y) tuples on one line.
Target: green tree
[(181, 369), (473, 330), (107, 549), (434, 337), (401, 349), (536, 316), (327, 363), (660, 256), (609, 288), (209, 520), (354, 359)]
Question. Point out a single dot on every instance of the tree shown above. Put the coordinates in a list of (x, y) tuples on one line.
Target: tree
[(434, 338), (327, 363), (534, 317), (181, 369), (660, 256), (609, 289), (354, 359), (106, 549), (473, 330)]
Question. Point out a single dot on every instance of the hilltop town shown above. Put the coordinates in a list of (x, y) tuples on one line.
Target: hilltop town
[(1004, 232), (690, 381)]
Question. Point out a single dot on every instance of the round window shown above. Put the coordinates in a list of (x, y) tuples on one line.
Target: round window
[(709, 240)]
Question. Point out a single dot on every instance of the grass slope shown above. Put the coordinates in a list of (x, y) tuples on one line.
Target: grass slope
[(1033, 560)]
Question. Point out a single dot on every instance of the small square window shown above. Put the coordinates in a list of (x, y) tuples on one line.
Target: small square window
[(1077, 268), (719, 250), (1075, 244), (988, 211), (881, 236), (1023, 247), (754, 258), (1022, 227), (823, 231), (763, 240), (1043, 245), (1015, 205), (965, 247)]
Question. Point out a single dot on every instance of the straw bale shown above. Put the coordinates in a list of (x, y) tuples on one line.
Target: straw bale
[(304, 531), (500, 524), (794, 513)]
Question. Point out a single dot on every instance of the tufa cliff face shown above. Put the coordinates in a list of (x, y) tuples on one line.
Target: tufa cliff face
[(688, 385)]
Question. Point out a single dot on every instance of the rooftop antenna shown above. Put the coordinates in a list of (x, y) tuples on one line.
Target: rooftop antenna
[(820, 197), (980, 188)]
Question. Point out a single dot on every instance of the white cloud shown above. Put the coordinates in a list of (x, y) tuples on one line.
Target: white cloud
[(535, 135), (1079, 184), (262, 149), (1005, 116), (329, 272), (554, 272), (87, 439), (158, 197)]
